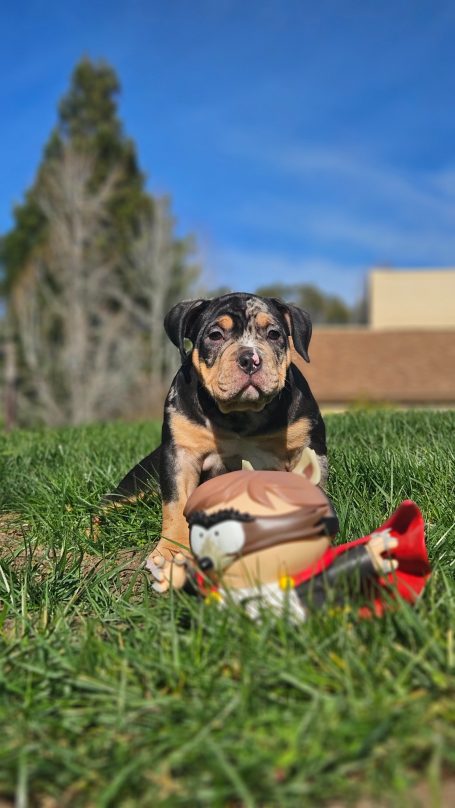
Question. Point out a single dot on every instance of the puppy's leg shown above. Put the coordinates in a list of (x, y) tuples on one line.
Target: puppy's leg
[(180, 474), (139, 481)]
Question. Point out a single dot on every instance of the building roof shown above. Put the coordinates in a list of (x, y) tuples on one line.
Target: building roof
[(362, 365)]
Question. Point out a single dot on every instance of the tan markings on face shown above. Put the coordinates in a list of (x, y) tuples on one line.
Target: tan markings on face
[(284, 367), (208, 375), (263, 320), (226, 322), (255, 305), (231, 388), (196, 361)]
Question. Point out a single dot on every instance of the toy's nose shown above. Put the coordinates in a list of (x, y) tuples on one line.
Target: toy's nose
[(206, 564), (249, 360)]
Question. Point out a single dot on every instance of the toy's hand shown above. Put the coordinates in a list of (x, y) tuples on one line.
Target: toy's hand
[(379, 543), (167, 571)]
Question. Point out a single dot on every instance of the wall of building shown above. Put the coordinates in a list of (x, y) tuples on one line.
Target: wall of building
[(412, 299), (361, 365)]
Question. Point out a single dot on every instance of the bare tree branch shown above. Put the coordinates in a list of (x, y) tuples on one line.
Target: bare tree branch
[(90, 331), (69, 333)]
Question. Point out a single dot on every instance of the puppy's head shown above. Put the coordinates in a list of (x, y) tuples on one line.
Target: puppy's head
[(241, 345)]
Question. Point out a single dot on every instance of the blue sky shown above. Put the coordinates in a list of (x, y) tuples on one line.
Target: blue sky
[(300, 141)]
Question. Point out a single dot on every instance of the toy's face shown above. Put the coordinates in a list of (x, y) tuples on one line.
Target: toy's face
[(249, 541), (218, 544), (218, 551)]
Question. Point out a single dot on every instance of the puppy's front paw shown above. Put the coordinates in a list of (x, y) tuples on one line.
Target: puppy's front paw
[(167, 571)]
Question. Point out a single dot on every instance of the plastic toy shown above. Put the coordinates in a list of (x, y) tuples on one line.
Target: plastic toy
[(263, 538)]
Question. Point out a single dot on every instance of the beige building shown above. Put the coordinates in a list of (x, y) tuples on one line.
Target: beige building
[(412, 299), (404, 356)]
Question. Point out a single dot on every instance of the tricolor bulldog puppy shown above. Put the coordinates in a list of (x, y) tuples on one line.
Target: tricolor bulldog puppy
[(240, 394)]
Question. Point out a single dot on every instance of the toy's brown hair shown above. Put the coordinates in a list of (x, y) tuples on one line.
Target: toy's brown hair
[(294, 489)]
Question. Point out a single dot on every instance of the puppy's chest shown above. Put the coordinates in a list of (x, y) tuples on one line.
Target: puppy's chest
[(276, 451)]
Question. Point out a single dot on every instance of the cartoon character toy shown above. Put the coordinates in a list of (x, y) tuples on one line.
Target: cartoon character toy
[(264, 538)]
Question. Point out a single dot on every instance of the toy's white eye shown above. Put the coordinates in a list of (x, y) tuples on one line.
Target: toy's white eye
[(229, 536), (197, 537)]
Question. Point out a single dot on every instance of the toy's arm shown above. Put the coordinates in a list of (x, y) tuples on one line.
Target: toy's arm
[(353, 573)]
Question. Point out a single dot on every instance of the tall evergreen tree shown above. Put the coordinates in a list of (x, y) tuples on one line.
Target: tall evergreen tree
[(56, 255), (88, 120)]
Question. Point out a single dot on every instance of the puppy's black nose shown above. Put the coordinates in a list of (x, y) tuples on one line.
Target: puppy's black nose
[(249, 360), (206, 564)]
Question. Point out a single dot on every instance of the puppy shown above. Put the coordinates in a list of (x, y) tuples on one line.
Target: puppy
[(240, 395)]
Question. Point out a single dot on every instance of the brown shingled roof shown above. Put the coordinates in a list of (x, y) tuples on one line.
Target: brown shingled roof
[(408, 367)]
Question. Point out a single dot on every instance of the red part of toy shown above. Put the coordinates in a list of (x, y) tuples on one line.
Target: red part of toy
[(407, 525)]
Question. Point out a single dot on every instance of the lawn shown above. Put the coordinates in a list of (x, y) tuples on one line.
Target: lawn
[(111, 695)]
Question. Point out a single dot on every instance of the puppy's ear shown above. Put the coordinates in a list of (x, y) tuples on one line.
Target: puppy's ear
[(179, 323), (299, 325)]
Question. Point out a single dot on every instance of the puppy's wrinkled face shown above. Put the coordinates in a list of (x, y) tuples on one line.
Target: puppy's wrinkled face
[(242, 353)]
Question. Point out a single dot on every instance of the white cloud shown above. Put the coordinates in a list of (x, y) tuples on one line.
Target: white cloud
[(380, 239), (373, 209), (444, 181), (377, 182)]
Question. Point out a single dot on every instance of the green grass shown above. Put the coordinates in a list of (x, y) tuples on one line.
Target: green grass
[(113, 696)]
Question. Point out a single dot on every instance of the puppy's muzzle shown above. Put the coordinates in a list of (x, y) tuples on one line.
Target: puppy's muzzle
[(249, 361)]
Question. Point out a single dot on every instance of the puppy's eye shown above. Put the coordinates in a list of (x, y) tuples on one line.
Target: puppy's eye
[(215, 335), (273, 334)]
